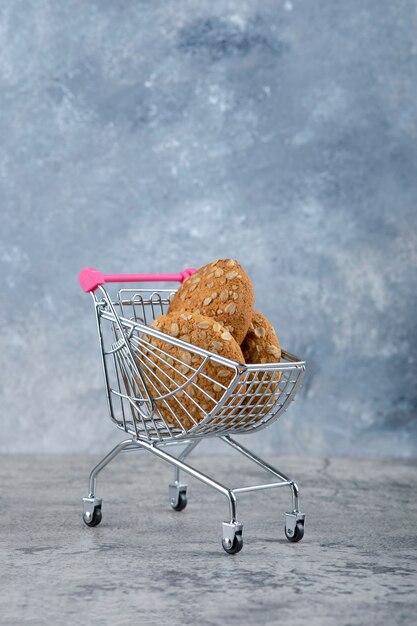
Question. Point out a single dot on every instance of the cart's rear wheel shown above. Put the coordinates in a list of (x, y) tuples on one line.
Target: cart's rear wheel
[(95, 518), (236, 545), (298, 533), (182, 502)]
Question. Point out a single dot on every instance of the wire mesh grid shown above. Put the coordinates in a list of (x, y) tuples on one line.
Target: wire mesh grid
[(160, 387)]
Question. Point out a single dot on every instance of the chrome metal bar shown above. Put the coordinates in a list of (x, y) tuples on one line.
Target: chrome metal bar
[(196, 474), (102, 464), (266, 466), (133, 448), (259, 487), (189, 448), (103, 358), (250, 455), (117, 321)]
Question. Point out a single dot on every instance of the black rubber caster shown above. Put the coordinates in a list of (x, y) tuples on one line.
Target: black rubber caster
[(95, 519), (182, 502), (298, 533), (236, 545)]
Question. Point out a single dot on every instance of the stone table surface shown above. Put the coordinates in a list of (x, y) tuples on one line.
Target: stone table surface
[(146, 564)]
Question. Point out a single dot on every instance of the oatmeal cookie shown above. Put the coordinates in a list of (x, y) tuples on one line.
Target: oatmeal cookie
[(167, 367), (220, 290), (261, 346), (261, 343)]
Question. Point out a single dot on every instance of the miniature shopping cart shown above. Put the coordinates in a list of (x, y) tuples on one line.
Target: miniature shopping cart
[(145, 409)]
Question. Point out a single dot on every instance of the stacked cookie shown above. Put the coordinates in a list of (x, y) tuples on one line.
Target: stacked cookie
[(213, 310), (221, 290)]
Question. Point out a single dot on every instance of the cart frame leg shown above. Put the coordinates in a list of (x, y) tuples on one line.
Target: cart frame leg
[(188, 469), (178, 489), (232, 530), (105, 461), (294, 520), (92, 503)]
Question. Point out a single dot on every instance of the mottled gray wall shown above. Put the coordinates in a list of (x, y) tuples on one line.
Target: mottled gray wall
[(151, 136)]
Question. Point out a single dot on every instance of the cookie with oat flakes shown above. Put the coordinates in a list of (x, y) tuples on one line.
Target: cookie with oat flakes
[(261, 346), (183, 396), (221, 290)]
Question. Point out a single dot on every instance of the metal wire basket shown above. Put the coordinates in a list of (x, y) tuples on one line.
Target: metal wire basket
[(149, 389), (160, 396)]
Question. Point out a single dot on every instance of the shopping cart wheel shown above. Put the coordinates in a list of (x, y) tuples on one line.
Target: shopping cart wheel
[(181, 503), (297, 533), (92, 511), (93, 519), (178, 496), (294, 526), (232, 541), (234, 546)]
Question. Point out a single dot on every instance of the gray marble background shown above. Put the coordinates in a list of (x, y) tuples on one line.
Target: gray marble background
[(151, 136)]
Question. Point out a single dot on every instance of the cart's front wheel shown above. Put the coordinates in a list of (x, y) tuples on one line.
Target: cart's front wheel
[(235, 546), (298, 533), (181, 503), (93, 519)]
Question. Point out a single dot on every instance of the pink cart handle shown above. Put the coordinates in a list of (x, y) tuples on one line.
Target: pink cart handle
[(90, 278)]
